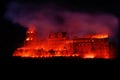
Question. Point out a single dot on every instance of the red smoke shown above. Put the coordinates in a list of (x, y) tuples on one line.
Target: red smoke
[(46, 19)]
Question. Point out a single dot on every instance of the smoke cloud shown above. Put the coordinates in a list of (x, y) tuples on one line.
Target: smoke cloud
[(50, 17)]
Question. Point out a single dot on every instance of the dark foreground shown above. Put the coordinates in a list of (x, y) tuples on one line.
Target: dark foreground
[(58, 60)]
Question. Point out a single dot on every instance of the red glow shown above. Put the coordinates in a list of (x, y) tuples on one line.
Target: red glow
[(100, 36), (89, 56), (96, 46)]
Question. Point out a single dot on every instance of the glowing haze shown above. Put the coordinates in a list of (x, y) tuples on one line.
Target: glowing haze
[(50, 17)]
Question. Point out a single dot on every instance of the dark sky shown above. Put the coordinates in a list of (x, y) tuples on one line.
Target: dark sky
[(76, 5), (79, 4), (65, 15), (71, 6)]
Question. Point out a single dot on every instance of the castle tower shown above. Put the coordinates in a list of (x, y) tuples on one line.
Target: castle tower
[(31, 35)]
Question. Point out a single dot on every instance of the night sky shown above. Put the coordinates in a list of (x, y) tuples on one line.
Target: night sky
[(49, 17), (53, 15)]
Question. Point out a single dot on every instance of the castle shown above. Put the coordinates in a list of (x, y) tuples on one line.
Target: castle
[(59, 44)]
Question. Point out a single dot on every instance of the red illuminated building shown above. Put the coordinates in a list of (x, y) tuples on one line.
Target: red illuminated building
[(59, 44)]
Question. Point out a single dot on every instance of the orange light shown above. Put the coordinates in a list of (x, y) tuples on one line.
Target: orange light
[(89, 56), (100, 36), (27, 39)]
